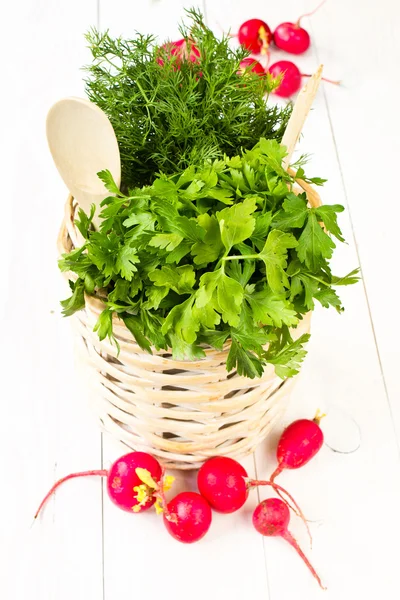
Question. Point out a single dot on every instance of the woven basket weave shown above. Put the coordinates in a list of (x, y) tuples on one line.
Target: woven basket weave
[(183, 412)]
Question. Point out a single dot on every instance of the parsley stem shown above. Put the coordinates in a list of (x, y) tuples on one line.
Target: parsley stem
[(318, 279), (191, 205), (240, 257)]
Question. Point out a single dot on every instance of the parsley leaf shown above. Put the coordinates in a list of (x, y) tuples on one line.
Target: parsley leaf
[(179, 279), (236, 222), (223, 293), (247, 352), (302, 281), (242, 273), (155, 295), (274, 255), (261, 229), (348, 279), (104, 327), (270, 309), (245, 362), (275, 153), (169, 241), (210, 249), (183, 226), (109, 182), (125, 262), (76, 301), (214, 338), (84, 221), (300, 174), (314, 244), (328, 297), (180, 321), (176, 255), (328, 215), (135, 326), (293, 213), (287, 361)]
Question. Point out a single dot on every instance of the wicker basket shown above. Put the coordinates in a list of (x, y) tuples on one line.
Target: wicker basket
[(183, 412)]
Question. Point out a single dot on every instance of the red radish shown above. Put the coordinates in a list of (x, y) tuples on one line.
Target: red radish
[(123, 478), (188, 517), (299, 442), (255, 35), (291, 78), (291, 37), (132, 482), (251, 64), (225, 485), (271, 518), (182, 50)]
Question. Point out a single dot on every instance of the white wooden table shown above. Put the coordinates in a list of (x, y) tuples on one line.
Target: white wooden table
[(85, 549)]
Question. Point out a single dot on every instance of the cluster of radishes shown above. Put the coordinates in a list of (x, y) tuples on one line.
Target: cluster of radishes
[(257, 37), (137, 481)]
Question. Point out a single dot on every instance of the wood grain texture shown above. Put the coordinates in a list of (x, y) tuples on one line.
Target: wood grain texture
[(47, 431)]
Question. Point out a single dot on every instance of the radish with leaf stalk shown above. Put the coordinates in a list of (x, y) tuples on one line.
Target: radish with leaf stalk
[(255, 35), (271, 518), (291, 78), (188, 517), (225, 485), (298, 444), (293, 38), (134, 482)]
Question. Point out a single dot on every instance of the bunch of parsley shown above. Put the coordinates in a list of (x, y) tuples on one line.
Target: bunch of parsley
[(170, 114), (220, 252)]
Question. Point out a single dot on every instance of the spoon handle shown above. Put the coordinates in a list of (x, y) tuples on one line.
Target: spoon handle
[(299, 114)]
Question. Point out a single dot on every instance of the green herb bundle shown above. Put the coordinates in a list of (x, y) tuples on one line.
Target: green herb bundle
[(221, 252), (169, 114), (206, 243)]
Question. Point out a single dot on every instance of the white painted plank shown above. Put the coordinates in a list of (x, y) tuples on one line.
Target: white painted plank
[(364, 116), (343, 370), (46, 430)]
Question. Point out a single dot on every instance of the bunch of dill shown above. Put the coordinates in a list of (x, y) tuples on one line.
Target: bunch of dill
[(169, 115)]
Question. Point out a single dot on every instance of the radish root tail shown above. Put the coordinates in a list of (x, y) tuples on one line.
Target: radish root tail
[(289, 538), (101, 473), (310, 13)]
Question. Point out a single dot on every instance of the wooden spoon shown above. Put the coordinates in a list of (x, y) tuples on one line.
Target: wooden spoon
[(82, 142), (299, 114)]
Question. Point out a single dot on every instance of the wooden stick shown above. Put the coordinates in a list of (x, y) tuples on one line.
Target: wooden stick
[(300, 111)]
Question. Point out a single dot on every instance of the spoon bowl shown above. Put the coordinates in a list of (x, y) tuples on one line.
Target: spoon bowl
[(82, 143)]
